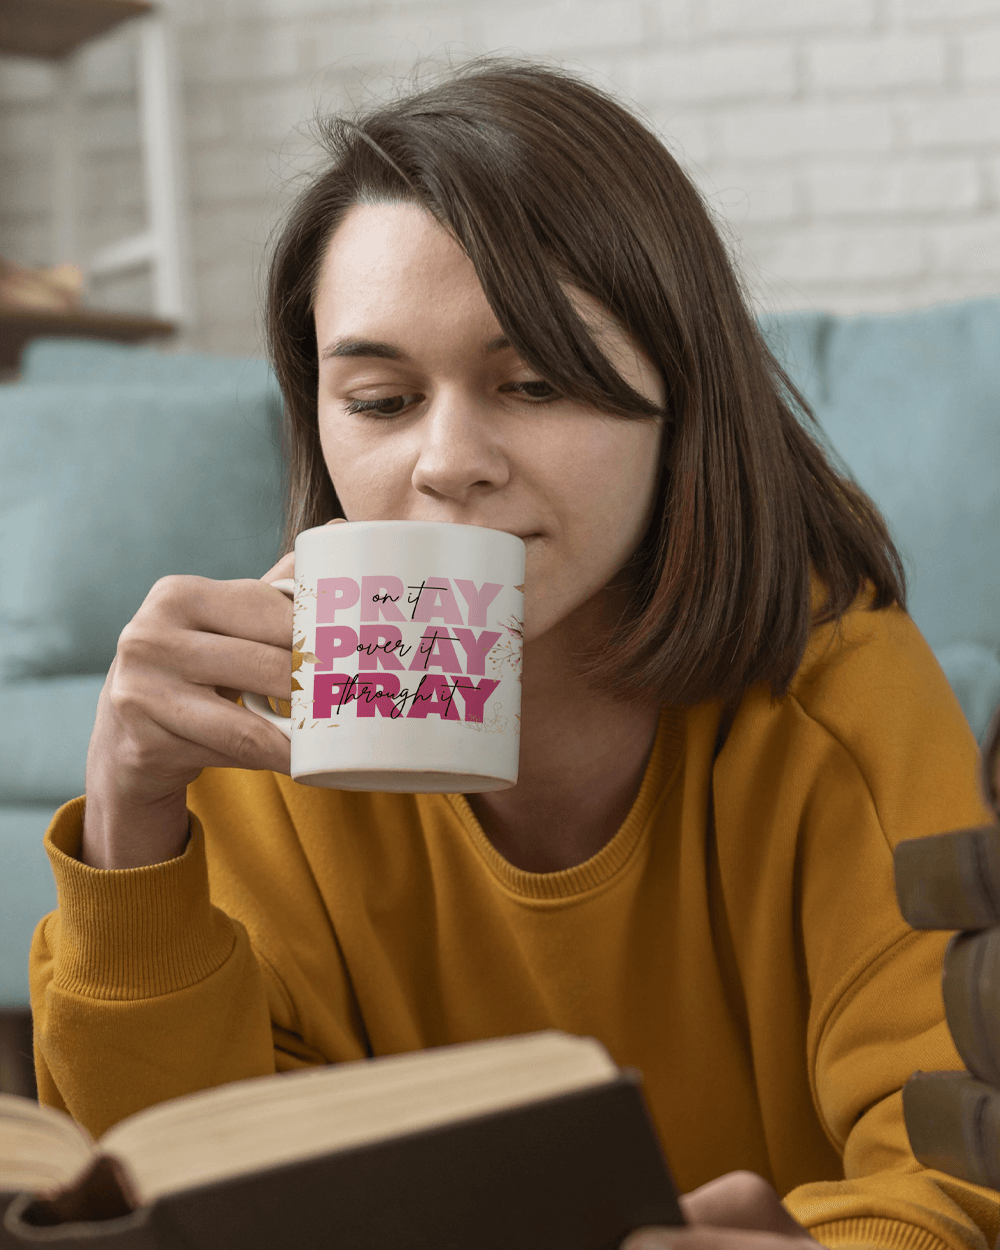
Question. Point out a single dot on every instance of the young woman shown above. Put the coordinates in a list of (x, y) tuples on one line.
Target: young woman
[(503, 304)]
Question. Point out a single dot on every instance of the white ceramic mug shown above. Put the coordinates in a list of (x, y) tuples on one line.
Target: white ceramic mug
[(406, 657)]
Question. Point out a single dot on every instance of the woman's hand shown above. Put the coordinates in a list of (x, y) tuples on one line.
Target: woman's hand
[(738, 1211), (168, 709)]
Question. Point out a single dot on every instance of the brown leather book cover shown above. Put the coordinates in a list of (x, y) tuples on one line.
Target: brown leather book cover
[(950, 880), (971, 989), (577, 1171), (953, 1122)]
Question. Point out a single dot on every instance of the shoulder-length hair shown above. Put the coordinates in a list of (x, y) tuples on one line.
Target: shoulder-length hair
[(547, 182)]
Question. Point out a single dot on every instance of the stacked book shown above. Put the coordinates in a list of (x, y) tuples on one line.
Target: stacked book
[(952, 881)]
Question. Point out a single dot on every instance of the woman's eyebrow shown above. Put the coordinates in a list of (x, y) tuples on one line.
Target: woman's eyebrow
[(386, 351), (361, 347)]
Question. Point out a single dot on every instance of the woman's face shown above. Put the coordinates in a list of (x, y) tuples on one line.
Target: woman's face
[(427, 414)]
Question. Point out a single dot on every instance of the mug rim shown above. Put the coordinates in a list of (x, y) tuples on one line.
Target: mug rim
[(390, 525)]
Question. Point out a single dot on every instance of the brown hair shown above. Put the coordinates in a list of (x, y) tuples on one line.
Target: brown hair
[(546, 181)]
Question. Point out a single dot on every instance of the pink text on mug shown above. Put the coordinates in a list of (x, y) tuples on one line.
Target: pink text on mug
[(383, 648)]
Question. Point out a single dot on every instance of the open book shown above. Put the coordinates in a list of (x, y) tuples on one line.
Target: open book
[(537, 1140)]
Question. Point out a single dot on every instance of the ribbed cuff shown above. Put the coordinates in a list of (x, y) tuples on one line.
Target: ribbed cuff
[(868, 1232), (132, 933)]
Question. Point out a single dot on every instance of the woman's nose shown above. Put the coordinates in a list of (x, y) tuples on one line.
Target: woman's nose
[(460, 452)]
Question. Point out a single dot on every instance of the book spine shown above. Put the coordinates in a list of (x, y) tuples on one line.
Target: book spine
[(950, 880), (97, 1210), (953, 1123), (130, 1232), (989, 772), (971, 990)]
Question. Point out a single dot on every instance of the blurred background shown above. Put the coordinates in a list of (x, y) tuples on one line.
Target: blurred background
[(850, 148)]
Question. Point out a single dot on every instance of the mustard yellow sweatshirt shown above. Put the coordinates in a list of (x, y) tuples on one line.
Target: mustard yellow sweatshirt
[(753, 966)]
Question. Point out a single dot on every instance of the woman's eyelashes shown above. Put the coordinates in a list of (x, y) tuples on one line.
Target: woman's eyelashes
[(534, 391), (390, 406)]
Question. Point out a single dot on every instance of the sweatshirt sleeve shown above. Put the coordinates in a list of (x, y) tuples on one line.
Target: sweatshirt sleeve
[(896, 760), (141, 989)]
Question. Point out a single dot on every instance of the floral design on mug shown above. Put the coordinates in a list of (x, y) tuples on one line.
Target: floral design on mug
[(495, 724), (300, 657), (508, 652), (515, 628)]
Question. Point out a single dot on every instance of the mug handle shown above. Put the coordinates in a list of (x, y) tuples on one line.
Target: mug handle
[(258, 703)]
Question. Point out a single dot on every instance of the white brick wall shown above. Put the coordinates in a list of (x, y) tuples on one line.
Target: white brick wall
[(850, 148)]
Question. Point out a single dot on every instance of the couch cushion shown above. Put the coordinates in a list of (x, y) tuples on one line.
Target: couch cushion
[(973, 673), (911, 402), (44, 734), (92, 360), (27, 893), (106, 486), (798, 340)]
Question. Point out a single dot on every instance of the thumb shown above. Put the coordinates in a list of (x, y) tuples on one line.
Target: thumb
[(740, 1200), (286, 565)]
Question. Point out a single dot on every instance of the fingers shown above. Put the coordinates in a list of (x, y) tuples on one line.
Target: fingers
[(167, 710), (182, 735), (703, 1237), (169, 705), (180, 663), (739, 1200), (738, 1211), (238, 609), (210, 659)]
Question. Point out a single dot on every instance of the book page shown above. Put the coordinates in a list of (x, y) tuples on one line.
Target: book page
[(248, 1125), (41, 1149)]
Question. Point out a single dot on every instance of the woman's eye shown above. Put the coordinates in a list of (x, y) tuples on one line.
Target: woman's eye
[(539, 392), (391, 406)]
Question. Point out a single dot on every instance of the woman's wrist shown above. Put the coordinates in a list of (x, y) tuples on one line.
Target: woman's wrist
[(119, 835)]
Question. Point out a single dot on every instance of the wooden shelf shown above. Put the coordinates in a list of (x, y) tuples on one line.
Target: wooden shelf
[(55, 28), (18, 327)]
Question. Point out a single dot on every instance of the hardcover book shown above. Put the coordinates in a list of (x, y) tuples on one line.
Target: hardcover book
[(953, 1122), (970, 986), (534, 1141), (950, 880)]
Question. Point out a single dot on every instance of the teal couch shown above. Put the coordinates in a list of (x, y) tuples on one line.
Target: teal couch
[(119, 465)]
